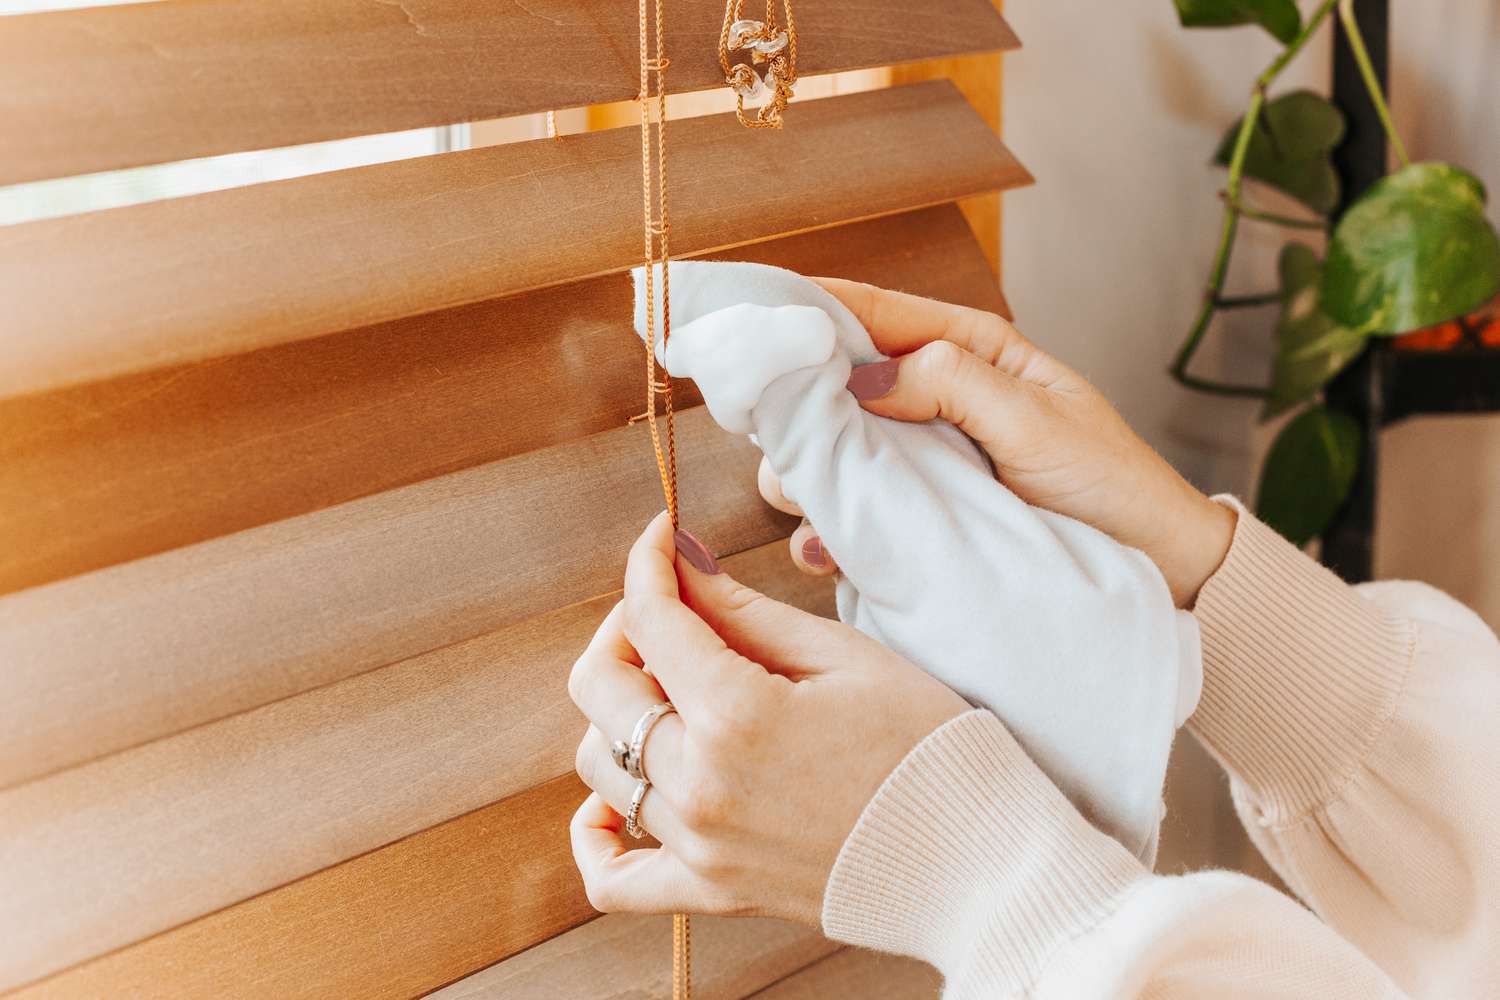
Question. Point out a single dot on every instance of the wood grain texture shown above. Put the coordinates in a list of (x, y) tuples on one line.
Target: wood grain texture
[(91, 90), (108, 472), (237, 270), (147, 840), (131, 653), (852, 972), (629, 957), (980, 79), (391, 924)]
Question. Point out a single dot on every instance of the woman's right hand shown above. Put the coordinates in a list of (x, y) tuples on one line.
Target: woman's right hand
[(1054, 440)]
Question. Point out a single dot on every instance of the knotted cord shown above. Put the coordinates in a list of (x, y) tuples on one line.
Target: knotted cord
[(655, 246), (777, 49), (655, 236)]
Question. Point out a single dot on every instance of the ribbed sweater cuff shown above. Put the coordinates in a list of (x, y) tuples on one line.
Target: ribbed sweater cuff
[(1300, 673), (970, 858)]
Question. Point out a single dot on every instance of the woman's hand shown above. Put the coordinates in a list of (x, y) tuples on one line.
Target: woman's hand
[(1054, 440), (786, 725)]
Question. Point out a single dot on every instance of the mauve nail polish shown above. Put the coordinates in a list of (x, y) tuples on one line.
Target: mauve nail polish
[(693, 551), (872, 381), (813, 553)]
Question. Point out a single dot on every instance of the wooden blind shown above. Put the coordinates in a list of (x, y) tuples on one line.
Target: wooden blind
[(311, 491)]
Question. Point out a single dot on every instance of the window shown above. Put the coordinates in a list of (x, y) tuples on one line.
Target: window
[(310, 450)]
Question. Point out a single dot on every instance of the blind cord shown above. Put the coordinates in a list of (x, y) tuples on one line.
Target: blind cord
[(777, 48), (656, 251)]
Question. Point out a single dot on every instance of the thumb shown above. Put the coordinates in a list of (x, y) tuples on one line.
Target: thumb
[(782, 639), (941, 379)]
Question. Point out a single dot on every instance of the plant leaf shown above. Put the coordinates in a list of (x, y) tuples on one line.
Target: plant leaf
[(1280, 17), (1415, 251), (1311, 347), (1308, 473), (1298, 267), (1291, 148)]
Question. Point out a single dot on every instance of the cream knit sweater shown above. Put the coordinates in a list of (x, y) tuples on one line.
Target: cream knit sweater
[(1361, 731)]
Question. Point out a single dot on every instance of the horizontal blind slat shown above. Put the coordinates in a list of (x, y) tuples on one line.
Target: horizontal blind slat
[(391, 924), (91, 90), (626, 957), (124, 655), (239, 270), (183, 455), (869, 975), (145, 840)]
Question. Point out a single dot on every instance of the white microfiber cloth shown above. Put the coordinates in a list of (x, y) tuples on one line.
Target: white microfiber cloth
[(1069, 637)]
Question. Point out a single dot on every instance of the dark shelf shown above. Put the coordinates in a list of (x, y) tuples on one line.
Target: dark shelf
[(1466, 380)]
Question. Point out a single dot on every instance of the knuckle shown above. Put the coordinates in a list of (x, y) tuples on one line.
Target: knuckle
[(940, 361), (709, 805), (725, 727), (743, 599), (642, 614), (750, 702), (734, 713), (599, 897), (630, 614), (583, 763), (578, 680)]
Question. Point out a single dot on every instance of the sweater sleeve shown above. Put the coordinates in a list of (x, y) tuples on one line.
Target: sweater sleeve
[(1352, 723), (1359, 729), (970, 859)]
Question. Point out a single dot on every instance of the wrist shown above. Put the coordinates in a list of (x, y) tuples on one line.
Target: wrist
[(1201, 532)]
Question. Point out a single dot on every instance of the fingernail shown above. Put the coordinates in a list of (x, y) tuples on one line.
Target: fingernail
[(693, 551), (813, 553), (872, 381)]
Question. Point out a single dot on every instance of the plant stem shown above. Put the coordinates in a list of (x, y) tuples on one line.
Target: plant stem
[(1247, 301), (1367, 71), (1233, 210), (1224, 388)]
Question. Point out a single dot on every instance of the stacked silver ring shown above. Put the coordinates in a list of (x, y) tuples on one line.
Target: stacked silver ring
[(633, 814), (631, 758)]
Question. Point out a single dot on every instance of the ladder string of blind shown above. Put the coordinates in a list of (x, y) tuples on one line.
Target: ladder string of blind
[(767, 44), (655, 238)]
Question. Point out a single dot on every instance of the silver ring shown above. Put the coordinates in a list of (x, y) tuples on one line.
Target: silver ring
[(635, 753), (633, 814), (618, 751)]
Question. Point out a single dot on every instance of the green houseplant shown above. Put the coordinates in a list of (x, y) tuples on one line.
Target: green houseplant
[(1413, 251)]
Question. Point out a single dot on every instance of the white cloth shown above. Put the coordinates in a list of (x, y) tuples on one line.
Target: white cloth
[(1067, 636)]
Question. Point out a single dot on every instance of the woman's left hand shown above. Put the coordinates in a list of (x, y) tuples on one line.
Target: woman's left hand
[(786, 725)]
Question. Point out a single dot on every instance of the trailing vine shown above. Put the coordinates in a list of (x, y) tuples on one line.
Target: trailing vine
[(1413, 251)]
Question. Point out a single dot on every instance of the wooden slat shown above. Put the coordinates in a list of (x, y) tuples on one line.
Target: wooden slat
[(980, 79), (237, 270), (868, 975), (101, 89), (627, 957), (144, 841), (134, 652), (390, 924), (108, 472)]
